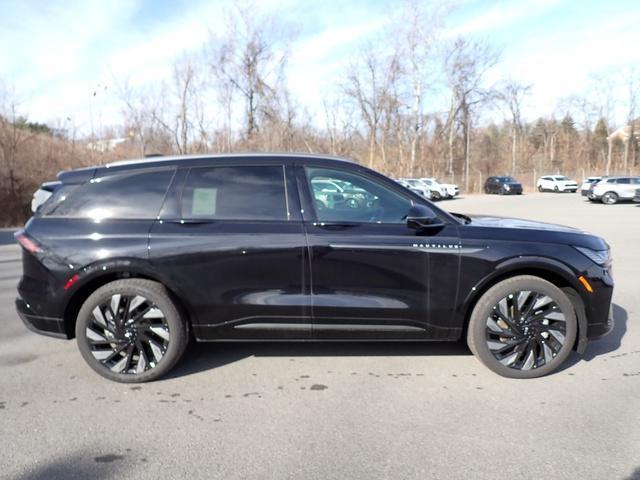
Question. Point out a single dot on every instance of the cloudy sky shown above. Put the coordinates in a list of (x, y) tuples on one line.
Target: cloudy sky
[(57, 54)]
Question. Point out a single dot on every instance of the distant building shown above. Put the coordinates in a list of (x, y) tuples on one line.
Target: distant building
[(105, 145), (622, 134)]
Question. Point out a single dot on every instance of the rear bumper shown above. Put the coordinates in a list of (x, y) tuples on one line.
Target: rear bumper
[(50, 326)]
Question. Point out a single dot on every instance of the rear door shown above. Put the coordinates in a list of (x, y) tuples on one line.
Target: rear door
[(231, 240), (372, 277)]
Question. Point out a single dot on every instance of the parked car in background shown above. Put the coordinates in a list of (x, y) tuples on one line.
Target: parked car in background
[(334, 193), (588, 184), (556, 183), (430, 193), (446, 190), (612, 190), (422, 191), (637, 196), (503, 186)]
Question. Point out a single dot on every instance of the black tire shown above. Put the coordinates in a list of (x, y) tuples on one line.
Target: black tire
[(540, 189), (435, 196), (609, 198), (527, 337), (153, 332), (556, 189)]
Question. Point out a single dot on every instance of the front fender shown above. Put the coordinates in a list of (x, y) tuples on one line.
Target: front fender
[(545, 267)]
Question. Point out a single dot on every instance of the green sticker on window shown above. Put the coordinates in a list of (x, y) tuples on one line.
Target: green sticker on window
[(204, 201)]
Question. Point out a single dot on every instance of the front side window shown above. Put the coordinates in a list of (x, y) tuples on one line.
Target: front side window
[(361, 201), (122, 196), (624, 181), (242, 192)]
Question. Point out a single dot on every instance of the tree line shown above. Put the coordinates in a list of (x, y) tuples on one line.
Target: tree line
[(412, 101)]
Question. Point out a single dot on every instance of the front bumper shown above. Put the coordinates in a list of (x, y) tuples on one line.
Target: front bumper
[(50, 326)]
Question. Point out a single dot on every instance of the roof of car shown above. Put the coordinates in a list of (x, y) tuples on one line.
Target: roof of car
[(221, 156), (621, 176)]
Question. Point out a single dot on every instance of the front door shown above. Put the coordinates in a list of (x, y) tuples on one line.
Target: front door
[(373, 277)]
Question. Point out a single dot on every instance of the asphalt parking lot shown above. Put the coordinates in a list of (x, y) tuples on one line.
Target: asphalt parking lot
[(335, 411)]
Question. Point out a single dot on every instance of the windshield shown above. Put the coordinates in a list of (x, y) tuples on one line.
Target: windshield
[(507, 179)]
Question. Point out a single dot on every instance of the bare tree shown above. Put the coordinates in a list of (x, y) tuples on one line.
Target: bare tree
[(511, 95), (249, 59), (466, 63), (12, 137), (417, 33), (371, 84), (633, 91)]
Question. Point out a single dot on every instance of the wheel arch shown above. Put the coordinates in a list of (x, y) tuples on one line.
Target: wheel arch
[(547, 269), (100, 275)]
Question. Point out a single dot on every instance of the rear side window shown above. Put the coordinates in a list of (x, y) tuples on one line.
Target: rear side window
[(235, 193), (122, 196), (624, 181)]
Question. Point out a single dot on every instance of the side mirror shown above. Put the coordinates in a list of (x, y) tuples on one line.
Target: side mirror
[(421, 217)]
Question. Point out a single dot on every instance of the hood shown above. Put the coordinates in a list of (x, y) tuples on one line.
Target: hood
[(517, 229), (505, 222)]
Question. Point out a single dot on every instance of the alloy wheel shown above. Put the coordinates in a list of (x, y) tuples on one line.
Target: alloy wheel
[(609, 198), (128, 334), (526, 330)]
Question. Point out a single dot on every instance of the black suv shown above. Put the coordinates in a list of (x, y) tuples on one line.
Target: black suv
[(503, 186), (134, 257)]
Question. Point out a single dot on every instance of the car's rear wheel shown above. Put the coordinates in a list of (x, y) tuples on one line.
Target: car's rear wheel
[(540, 189), (523, 327), (610, 198), (131, 331), (556, 189)]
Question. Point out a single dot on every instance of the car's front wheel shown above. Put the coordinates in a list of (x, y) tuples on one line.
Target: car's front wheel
[(131, 331), (522, 327)]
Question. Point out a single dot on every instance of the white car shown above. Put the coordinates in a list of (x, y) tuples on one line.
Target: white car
[(615, 189), (587, 184), (438, 189), (417, 186), (556, 183), (450, 190)]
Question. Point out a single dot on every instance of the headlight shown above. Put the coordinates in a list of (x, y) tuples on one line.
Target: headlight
[(601, 257), (507, 187)]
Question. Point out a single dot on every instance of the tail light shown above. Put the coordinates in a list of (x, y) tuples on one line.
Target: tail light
[(28, 244)]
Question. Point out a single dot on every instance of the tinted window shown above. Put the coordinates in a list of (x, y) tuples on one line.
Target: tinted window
[(235, 193), (364, 201), (624, 181), (126, 195)]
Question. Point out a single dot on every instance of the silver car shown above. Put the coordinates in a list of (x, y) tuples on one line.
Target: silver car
[(615, 189)]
